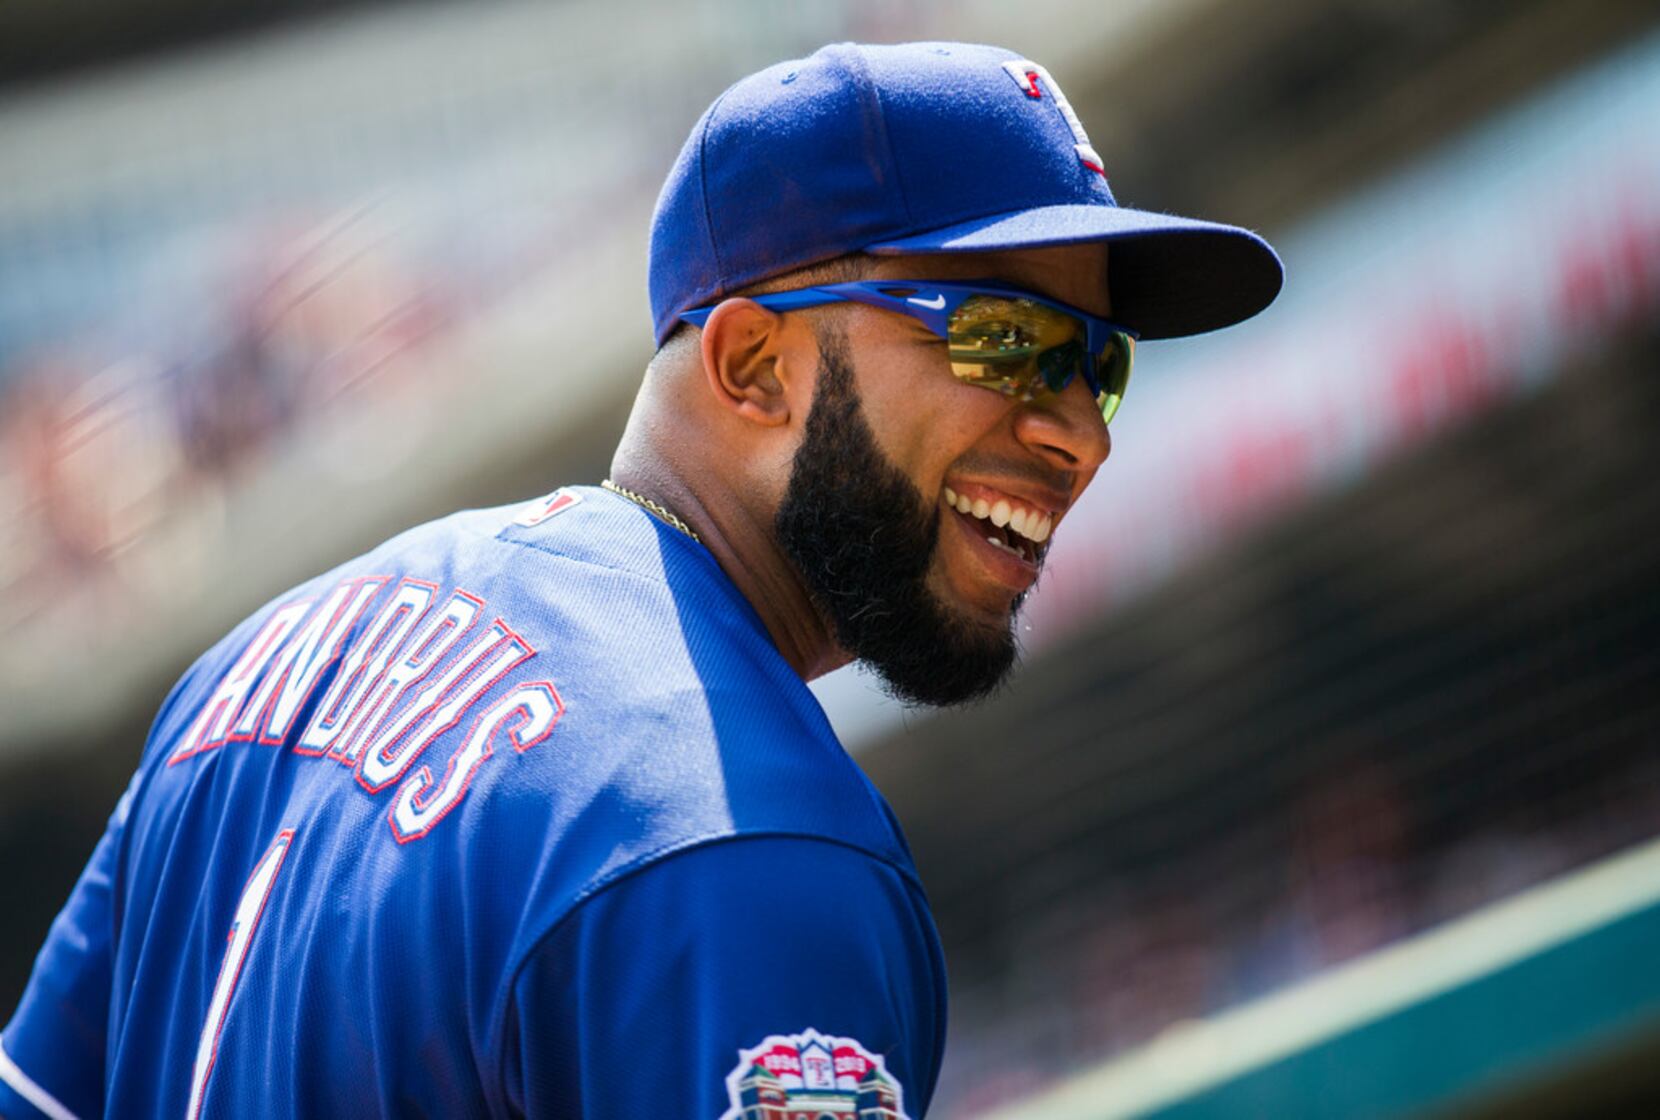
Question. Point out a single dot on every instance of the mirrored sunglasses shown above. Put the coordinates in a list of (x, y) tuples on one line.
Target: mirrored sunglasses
[(1017, 343)]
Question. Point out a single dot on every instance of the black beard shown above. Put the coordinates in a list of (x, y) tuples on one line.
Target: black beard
[(863, 538)]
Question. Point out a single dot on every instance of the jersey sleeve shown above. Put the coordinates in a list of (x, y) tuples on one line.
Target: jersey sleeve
[(52, 1051), (728, 980)]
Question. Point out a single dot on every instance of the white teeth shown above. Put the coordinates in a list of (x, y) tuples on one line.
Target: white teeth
[(1031, 524), (999, 543)]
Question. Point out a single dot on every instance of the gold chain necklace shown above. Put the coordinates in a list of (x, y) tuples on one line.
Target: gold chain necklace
[(663, 513)]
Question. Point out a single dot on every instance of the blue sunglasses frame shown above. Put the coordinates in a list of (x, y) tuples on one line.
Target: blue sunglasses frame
[(932, 304)]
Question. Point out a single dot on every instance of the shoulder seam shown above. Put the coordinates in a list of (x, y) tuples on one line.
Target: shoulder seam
[(545, 551), (498, 1014)]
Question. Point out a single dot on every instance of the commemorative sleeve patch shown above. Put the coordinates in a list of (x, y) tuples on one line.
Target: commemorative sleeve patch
[(810, 1076)]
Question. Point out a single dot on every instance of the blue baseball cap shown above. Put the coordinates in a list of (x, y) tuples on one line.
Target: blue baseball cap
[(926, 148)]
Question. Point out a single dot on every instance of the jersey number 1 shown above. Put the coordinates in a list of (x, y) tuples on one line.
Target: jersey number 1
[(248, 910)]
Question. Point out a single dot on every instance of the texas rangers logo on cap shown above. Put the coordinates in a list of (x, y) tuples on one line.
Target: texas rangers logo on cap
[(1029, 75), (813, 1074), (858, 148)]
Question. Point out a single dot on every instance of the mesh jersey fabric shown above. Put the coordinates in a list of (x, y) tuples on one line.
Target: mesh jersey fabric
[(521, 813)]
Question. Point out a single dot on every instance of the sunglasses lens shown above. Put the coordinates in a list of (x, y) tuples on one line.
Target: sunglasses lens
[(1058, 365), (1112, 373), (1016, 347), (1024, 349)]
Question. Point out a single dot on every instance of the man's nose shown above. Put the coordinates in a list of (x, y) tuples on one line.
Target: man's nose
[(1066, 429)]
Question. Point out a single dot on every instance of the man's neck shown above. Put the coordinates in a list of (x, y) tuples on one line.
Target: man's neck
[(746, 548)]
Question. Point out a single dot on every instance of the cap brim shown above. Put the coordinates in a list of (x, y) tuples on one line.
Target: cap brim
[(1168, 276)]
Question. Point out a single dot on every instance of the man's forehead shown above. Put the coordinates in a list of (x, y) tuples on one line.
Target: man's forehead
[(1074, 274)]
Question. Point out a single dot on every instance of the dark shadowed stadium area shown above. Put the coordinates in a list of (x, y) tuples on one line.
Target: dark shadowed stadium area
[(1364, 722)]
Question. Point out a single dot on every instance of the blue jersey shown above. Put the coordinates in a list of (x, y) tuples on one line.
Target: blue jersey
[(521, 814)]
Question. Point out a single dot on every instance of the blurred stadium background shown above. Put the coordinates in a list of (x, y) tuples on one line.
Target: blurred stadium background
[(1331, 785)]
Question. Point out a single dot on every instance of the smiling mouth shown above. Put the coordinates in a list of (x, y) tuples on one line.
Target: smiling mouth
[(1017, 529)]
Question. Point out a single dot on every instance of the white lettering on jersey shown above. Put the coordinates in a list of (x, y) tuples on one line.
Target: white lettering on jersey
[(213, 724), (248, 910), (428, 648), (364, 664), (1027, 75), (490, 659), (420, 804), (397, 690), (295, 671)]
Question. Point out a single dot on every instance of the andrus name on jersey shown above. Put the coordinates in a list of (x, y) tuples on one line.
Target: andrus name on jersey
[(411, 674)]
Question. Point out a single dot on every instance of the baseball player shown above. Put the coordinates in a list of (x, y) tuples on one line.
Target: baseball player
[(529, 811)]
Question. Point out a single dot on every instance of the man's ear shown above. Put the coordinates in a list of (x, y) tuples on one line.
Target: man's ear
[(742, 347)]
